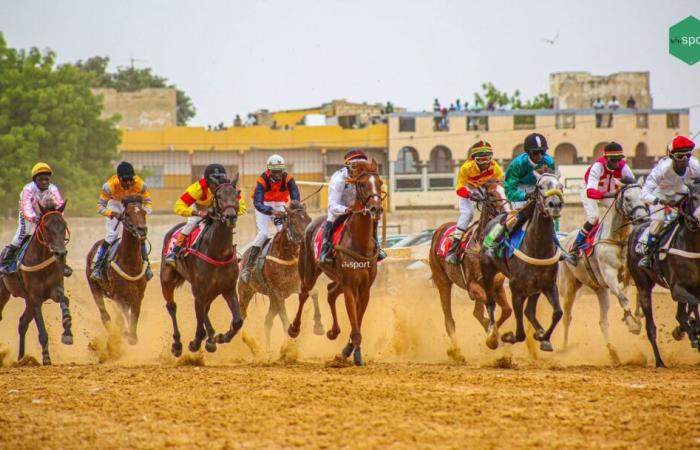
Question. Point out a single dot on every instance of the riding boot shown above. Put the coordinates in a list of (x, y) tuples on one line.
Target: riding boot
[(250, 263), (8, 255), (646, 259), (452, 256), (500, 232), (327, 246), (144, 254), (98, 261), (171, 258), (381, 254), (572, 257)]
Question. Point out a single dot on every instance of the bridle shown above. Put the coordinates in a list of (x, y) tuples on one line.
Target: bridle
[(691, 223), (492, 205), (619, 197), (360, 196), (220, 213), (540, 198), (41, 228), (289, 230), (127, 223)]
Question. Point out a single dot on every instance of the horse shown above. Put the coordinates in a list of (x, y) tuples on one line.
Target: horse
[(125, 282), (211, 269), (40, 277), (534, 268), (354, 267), (278, 277), (605, 269), (467, 275), (679, 272)]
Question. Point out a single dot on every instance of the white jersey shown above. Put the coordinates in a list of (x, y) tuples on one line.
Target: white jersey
[(341, 195), (601, 179), (663, 182)]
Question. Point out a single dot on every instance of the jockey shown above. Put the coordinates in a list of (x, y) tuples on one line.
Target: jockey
[(601, 188), (479, 169), (663, 185), (520, 181), (341, 198), (273, 190), (195, 202), (121, 185), (30, 214)]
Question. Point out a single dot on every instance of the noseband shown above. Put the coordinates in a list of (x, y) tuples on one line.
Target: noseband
[(361, 198), (219, 213), (540, 198), (620, 209), (41, 228)]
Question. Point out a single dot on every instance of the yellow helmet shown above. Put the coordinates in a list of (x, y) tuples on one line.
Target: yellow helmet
[(41, 168)]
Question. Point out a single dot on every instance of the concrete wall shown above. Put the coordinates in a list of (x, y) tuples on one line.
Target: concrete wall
[(579, 89), (147, 109)]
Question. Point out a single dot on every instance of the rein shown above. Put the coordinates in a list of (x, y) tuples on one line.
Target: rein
[(210, 260), (219, 212), (41, 228)]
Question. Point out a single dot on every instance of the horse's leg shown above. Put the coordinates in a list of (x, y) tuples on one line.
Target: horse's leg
[(43, 334), (100, 302), (604, 306), (4, 296), (694, 323), (644, 299), (478, 313), (66, 319), (269, 319), (282, 312), (488, 272), (609, 273), (552, 295), (24, 321), (231, 298), (318, 325), (200, 306), (362, 301), (531, 314), (519, 335), (134, 314), (568, 286), (334, 290), (245, 294), (683, 298), (169, 295), (210, 344), (502, 302), (445, 290)]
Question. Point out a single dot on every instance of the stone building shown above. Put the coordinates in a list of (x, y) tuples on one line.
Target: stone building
[(578, 90), (147, 109)]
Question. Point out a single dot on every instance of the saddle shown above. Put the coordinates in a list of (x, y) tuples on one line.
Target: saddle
[(12, 264), (190, 242), (339, 227), (591, 240), (448, 236), (659, 250)]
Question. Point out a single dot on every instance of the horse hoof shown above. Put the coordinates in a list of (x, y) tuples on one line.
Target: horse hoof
[(357, 358), (318, 329), (132, 340), (67, 339), (176, 349), (694, 344), (46, 361), (237, 325), (492, 340), (332, 334), (194, 346), (508, 337), (293, 331), (538, 335), (220, 339), (546, 346), (660, 365), (677, 333), (347, 350), (210, 346), (634, 325)]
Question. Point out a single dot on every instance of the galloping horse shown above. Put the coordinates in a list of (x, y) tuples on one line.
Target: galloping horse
[(605, 269), (355, 264), (467, 275), (211, 269), (125, 282), (534, 268), (40, 277), (278, 278), (679, 271)]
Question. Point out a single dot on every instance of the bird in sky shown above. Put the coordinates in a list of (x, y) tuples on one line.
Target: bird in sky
[(553, 40)]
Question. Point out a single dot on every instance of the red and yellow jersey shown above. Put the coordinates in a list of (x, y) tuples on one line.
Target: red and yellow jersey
[(113, 190), (199, 194), (471, 176)]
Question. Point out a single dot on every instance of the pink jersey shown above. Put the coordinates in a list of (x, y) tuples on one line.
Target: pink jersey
[(31, 196)]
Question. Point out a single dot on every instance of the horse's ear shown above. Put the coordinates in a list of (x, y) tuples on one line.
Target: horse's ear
[(234, 181), (63, 206)]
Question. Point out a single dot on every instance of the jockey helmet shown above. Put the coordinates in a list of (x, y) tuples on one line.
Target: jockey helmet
[(40, 168), (354, 155), (125, 170), (535, 142), (215, 174), (681, 144), (613, 150), (275, 162)]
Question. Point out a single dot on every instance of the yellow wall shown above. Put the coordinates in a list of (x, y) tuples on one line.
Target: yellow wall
[(291, 118)]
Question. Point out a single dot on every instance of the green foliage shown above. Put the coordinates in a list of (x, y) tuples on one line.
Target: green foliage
[(490, 95), (130, 79), (49, 114)]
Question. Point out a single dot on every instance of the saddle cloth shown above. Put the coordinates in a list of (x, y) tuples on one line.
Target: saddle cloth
[(448, 236), (318, 237), (190, 241), (664, 242)]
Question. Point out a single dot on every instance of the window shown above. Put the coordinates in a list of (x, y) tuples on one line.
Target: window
[(347, 121), (603, 120), (409, 184), (477, 123), (407, 124), (441, 123), (524, 122), (407, 161), (642, 120), (566, 120), (673, 120), (153, 176), (440, 160)]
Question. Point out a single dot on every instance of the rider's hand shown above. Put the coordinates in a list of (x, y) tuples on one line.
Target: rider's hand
[(477, 196), (203, 214), (348, 211), (610, 195), (277, 214), (116, 215)]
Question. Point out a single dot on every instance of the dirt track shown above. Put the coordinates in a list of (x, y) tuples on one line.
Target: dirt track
[(104, 393)]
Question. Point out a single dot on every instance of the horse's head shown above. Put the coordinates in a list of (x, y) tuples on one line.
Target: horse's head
[(296, 221), (226, 196), (496, 200), (549, 194), (629, 203), (368, 185), (691, 206), (134, 218), (52, 231)]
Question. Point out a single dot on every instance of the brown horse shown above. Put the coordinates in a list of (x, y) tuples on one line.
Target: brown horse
[(40, 277), (354, 267), (533, 268), (211, 269), (125, 282), (467, 275), (279, 277)]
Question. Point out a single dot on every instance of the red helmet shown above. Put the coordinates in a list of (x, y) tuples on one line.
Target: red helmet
[(355, 154), (681, 144)]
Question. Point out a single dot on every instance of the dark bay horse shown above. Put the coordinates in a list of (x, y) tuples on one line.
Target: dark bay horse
[(467, 275), (533, 268), (279, 277), (354, 267), (40, 278), (211, 269), (679, 272), (125, 282)]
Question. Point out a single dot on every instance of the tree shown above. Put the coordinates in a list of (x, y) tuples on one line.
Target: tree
[(49, 114), (130, 79), (491, 96)]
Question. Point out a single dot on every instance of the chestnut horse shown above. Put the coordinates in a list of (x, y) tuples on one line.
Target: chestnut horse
[(211, 269), (467, 275), (40, 277), (125, 282), (279, 277), (354, 266)]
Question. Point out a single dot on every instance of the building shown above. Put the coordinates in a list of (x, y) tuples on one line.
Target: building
[(147, 109), (337, 112), (578, 90), (425, 151)]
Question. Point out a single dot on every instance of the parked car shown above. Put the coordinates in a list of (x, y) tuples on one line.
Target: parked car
[(421, 238), (391, 240)]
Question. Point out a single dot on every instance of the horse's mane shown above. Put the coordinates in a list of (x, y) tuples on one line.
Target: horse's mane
[(296, 205), (132, 199), (359, 168), (47, 201)]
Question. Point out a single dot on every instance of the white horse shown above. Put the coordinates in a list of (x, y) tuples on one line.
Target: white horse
[(605, 270)]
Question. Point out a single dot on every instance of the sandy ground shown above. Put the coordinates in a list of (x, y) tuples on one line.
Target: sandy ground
[(103, 393)]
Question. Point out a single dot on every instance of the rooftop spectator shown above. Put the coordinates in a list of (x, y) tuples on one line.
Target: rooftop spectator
[(613, 103), (436, 106), (598, 104), (389, 108), (631, 103), (458, 105), (237, 121)]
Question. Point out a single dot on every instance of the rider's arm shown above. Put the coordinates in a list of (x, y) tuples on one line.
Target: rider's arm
[(627, 173), (335, 195), (650, 185), (56, 195), (26, 207), (105, 196), (463, 180), (513, 177), (259, 200), (145, 195), (183, 205), (592, 191), (293, 190)]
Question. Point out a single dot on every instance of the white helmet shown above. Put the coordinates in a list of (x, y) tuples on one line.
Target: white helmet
[(275, 162)]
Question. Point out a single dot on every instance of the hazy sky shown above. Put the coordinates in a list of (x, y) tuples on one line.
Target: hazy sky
[(235, 57)]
